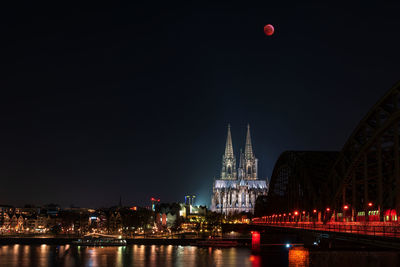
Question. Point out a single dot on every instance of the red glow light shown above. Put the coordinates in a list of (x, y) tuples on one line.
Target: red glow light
[(346, 207), (255, 240), (315, 211), (296, 213), (328, 209), (370, 204)]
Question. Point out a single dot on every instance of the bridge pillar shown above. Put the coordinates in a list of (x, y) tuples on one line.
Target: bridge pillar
[(366, 216), (397, 166), (354, 198), (343, 203), (380, 180)]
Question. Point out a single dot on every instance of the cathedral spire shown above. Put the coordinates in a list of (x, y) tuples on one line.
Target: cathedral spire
[(248, 151), (241, 160), (228, 159), (229, 146)]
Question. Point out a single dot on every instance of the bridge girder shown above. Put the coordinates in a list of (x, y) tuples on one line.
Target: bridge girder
[(366, 170), (297, 181), (368, 167)]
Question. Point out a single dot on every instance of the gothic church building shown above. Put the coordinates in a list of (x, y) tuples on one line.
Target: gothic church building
[(238, 187)]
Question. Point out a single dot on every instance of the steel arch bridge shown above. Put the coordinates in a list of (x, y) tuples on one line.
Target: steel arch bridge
[(297, 181), (361, 182)]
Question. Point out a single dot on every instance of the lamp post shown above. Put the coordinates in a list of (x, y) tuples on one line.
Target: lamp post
[(327, 214), (370, 205), (345, 208), (314, 215), (295, 216)]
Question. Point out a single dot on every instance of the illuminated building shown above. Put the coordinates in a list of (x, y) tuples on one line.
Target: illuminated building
[(238, 188), (189, 200)]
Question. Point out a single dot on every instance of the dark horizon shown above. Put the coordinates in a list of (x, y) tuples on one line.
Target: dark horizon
[(133, 100)]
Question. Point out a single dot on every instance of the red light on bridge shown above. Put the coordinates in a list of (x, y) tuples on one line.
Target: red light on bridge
[(304, 212), (328, 209), (255, 240), (315, 211), (370, 204), (296, 213), (346, 207)]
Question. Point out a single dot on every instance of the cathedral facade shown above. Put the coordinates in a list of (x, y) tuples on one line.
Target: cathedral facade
[(238, 186)]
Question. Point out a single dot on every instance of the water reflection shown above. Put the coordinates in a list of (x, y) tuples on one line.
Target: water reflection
[(255, 260), (135, 255), (299, 257), (355, 258), (140, 255)]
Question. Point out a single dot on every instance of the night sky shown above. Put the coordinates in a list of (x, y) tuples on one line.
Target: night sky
[(99, 102)]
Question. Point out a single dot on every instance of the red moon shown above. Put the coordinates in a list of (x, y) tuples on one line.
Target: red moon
[(269, 29)]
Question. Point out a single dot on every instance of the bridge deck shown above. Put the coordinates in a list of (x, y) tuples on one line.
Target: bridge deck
[(382, 230)]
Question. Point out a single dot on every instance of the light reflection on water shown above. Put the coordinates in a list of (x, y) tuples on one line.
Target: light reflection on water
[(141, 255), (299, 257), (134, 255)]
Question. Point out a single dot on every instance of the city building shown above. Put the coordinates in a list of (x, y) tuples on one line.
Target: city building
[(239, 186)]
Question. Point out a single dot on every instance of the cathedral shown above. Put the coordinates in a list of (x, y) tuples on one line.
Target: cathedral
[(238, 187)]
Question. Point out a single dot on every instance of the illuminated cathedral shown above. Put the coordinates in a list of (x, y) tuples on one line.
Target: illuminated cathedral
[(238, 187)]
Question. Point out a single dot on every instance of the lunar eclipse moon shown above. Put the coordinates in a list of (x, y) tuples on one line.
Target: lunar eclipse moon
[(269, 29)]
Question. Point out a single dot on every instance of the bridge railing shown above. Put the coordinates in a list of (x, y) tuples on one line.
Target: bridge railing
[(374, 229)]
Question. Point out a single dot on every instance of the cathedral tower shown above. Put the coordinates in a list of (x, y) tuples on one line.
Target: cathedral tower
[(249, 162), (237, 189), (228, 159)]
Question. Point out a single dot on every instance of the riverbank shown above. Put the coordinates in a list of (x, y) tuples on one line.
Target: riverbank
[(135, 241)]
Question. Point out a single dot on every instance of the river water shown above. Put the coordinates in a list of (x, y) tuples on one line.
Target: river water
[(186, 256)]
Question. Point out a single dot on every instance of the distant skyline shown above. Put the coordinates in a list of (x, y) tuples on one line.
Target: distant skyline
[(133, 100)]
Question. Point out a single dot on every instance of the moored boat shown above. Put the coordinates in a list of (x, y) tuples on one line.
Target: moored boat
[(100, 240)]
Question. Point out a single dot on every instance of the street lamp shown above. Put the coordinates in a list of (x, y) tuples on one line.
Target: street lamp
[(345, 208), (295, 218), (370, 204), (327, 213), (314, 217)]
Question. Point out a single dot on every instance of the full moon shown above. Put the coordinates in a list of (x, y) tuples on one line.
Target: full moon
[(268, 29)]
